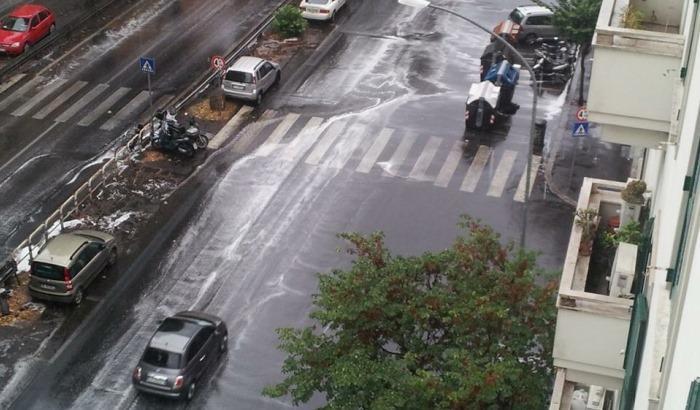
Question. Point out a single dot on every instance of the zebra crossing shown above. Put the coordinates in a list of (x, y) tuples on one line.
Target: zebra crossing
[(77, 102), (343, 144)]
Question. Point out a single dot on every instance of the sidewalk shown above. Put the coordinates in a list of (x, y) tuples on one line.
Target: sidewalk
[(569, 159)]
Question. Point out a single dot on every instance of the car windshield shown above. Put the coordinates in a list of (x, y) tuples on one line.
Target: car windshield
[(15, 23), (239, 77), (317, 1), (47, 271), (516, 16), (162, 358)]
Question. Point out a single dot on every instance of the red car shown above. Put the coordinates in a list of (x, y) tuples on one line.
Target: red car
[(24, 27)]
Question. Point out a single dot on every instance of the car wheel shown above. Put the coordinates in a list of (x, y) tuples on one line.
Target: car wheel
[(26, 48), (78, 297), (202, 141), (278, 78), (191, 389), (258, 98), (223, 345), (52, 28), (112, 257), (332, 17), (530, 39)]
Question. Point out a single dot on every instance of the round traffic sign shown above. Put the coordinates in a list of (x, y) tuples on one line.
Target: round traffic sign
[(218, 63), (582, 114)]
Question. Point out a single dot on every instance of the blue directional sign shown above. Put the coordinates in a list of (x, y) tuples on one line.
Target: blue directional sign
[(147, 64), (580, 129)]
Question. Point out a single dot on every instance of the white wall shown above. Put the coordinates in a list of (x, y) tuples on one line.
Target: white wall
[(591, 343), (667, 206), (637, 87), (683, 360)]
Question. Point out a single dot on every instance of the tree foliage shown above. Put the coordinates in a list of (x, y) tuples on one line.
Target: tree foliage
[(575, 19), (289, 22), (463, 328)]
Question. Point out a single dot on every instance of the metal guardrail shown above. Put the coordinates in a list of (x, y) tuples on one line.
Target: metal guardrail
[(55, 221), (41, 234)]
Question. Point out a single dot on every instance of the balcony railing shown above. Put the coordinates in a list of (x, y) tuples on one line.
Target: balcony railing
[(592, 322), (635, 79)]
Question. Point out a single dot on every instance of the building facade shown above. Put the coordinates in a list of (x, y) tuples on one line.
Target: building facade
[(628, 332)]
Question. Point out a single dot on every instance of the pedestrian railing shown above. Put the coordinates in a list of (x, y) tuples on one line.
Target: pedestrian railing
[(54, 224)]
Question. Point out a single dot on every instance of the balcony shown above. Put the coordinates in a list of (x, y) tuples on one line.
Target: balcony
[(594, 304), (635, 79)]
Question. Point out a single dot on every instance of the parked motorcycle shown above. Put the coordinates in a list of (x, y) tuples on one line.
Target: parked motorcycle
[(165, 137), (191, 132), (548, 70)]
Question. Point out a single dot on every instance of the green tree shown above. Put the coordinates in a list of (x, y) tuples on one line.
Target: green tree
[(576, 20), (289, 22), (463, 328)]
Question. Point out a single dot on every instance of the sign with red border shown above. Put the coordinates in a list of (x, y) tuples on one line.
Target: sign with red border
[(218, 63)]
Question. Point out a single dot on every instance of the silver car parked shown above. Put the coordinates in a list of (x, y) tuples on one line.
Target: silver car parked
[(535, 22), (249, 78), (68, 263)]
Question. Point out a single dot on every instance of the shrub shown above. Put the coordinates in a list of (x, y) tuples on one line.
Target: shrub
[(630, 232), (289, 22), (632, 17), (634, 192)]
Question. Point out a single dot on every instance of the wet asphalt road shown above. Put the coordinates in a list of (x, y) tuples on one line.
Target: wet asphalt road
[(57, 122), (368, 136)]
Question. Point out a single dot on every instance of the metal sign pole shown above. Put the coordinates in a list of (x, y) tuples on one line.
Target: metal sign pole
[(150, 94)]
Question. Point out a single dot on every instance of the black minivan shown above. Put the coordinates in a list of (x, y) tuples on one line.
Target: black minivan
[(179, 353)]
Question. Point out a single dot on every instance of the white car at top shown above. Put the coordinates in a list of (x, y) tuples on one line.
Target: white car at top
[(320, 9)]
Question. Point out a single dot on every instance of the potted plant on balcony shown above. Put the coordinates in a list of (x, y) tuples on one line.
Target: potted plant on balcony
[(633, 199), (587, 220)]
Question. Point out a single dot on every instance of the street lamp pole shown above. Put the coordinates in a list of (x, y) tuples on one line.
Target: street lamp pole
[(419, 4)]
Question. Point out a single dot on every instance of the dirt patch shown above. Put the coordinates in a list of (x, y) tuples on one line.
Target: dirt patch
[(201, 110), (270, 46), (22, 309)]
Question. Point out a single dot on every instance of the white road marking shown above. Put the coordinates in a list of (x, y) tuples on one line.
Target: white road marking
[(274, 139), (20, 92), (82, 102), (346, 146), (17, 155), (103, 107), (374, 151), (231, 125), (498, 182), (475, 169), (322, 146), (292, 151), (71, 91), (249, 133), (426, 157), (125, 113), (40, 96), (520, 192), (450, 165), (15, 78), (392, 167)]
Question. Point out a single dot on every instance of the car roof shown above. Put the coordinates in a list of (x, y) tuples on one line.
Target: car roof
[(246, 63), (27, 10), (175, 333), (60, 248), (527, 10)]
